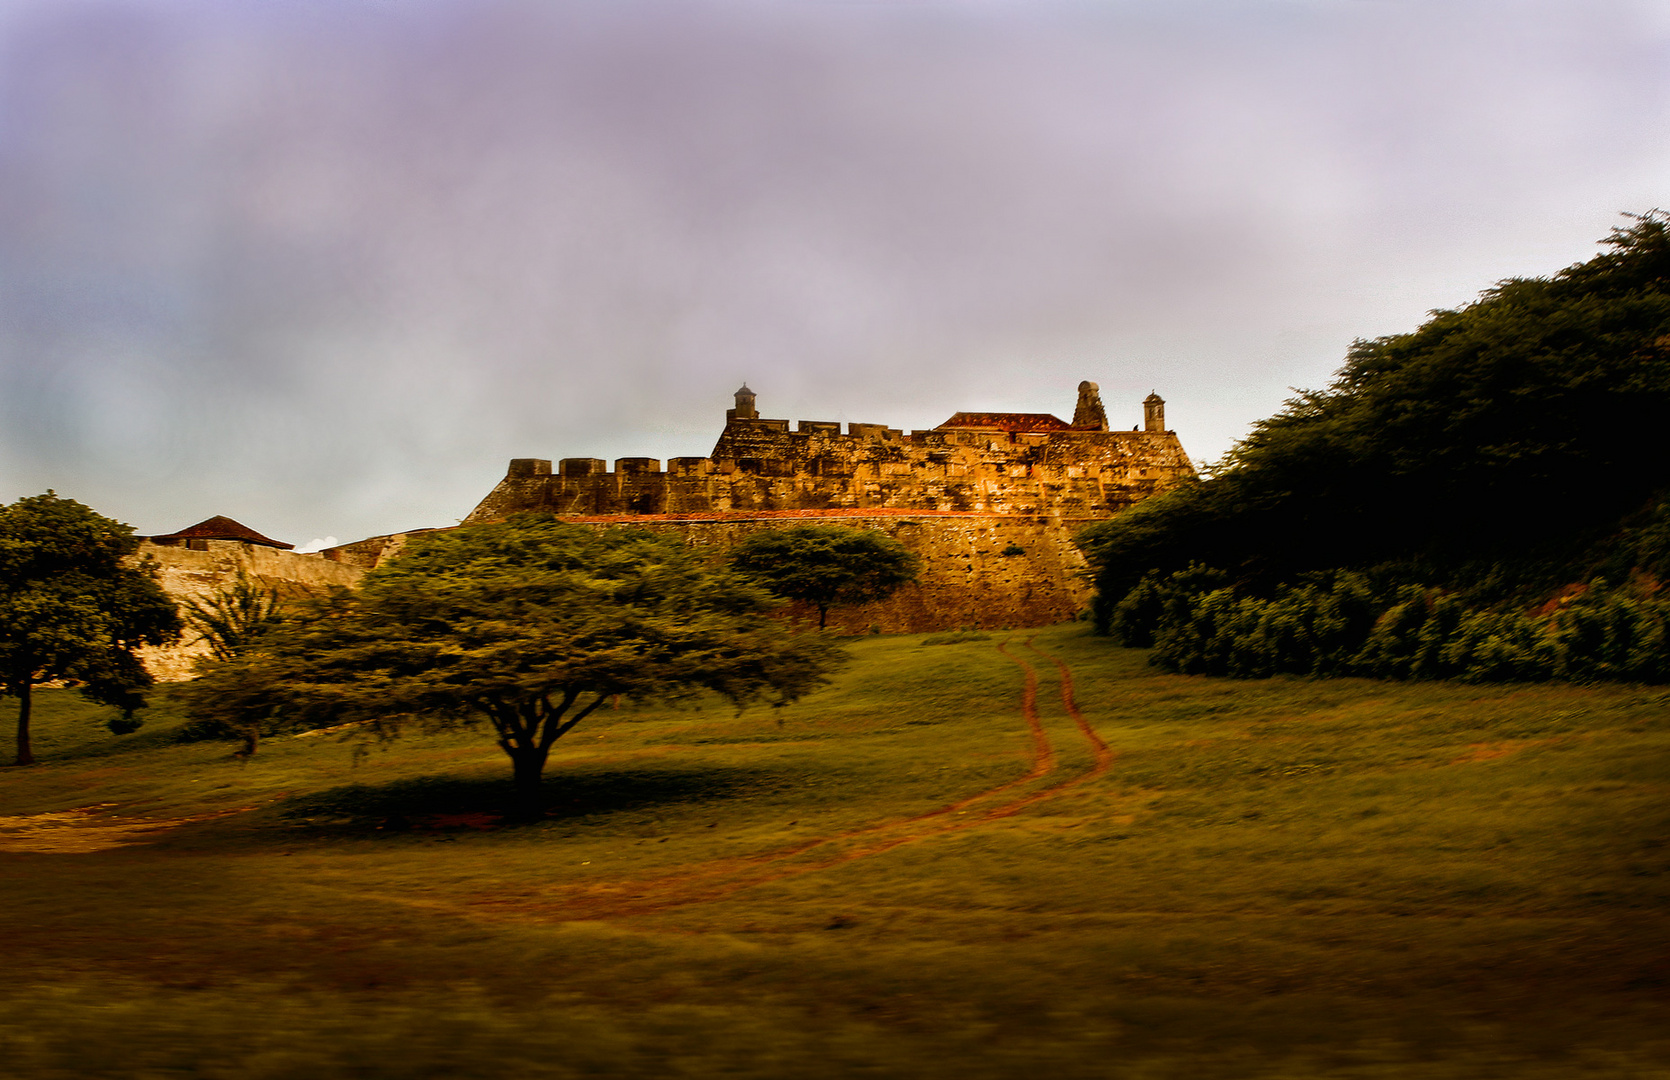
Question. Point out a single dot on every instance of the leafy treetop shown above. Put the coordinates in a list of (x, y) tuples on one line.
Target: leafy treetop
[(528, 625), (826, 565), (232, 619), (72, 608), (1499, 441)]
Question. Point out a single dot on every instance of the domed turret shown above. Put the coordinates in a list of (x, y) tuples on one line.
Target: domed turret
[(744, 406), (1088, 414)]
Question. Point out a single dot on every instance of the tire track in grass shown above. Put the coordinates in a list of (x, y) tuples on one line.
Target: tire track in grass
[(664, 893), (1098, 746), (724, 871), (1102, 755), (1043, 763)]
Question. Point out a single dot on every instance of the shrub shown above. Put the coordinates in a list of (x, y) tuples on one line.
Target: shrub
[(1342, 623)]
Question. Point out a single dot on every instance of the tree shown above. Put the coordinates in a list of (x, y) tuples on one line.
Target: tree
[(234, 617), (232, 621), (826, 565), (73, 609), (527, 626), (1496, 449)]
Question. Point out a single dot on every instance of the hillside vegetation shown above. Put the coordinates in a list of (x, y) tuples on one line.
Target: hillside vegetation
[(1485, 497), (899, 876)]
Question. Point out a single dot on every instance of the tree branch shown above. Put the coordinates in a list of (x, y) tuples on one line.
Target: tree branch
[(559, 732), (513, 733), (554, 728)]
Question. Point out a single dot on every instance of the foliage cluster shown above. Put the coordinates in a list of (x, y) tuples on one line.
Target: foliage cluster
[(1493, 456), (232, 619), (73, 609), (527, 625), (1346, 623), (826, 565)]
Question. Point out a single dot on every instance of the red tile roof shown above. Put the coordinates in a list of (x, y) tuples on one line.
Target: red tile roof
[(1008, 421), (223, 528)]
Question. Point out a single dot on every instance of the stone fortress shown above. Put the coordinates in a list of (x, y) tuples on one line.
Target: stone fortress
[(1029, 464), (990, 501)]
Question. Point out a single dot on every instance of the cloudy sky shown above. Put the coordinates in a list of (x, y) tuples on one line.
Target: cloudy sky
[(325, 265)]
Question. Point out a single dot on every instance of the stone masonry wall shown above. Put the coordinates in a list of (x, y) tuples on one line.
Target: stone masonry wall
[(762, 465), (966, 578), (197, 573), (958, 495)]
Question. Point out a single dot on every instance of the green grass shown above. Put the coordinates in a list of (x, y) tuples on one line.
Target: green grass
[(1274, 879)]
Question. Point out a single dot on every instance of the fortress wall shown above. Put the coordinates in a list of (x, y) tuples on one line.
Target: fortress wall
[(966, 580), (363, 555), (1069, 474), (197, 573), (1059, 489), (958, 495)]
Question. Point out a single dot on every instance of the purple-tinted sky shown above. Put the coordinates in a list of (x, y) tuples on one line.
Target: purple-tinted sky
[(325, 265)]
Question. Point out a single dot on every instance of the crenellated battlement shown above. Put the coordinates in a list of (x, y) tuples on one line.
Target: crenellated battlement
[(1005, 463), (989, 501)]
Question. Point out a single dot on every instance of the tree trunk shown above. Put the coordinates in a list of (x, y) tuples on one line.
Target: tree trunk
[(529, 767), (25, 706)]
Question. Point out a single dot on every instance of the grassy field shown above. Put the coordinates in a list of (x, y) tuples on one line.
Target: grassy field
[(900, 876)]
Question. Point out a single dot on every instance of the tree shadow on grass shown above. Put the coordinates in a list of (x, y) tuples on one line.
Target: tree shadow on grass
[(431, 802)]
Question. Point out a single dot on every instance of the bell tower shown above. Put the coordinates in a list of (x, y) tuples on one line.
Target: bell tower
[(1153, 412), (744, 406)]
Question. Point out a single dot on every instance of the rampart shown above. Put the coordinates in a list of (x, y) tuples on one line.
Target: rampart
[(990, 501), (1030, 464), (978, 569)]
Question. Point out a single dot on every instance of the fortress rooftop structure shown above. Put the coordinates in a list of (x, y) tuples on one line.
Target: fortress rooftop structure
[(1031, 464), (218, 527)]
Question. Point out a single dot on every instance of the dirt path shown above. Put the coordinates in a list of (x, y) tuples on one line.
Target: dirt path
[(87, 829), (716, 881), (1104, 756)]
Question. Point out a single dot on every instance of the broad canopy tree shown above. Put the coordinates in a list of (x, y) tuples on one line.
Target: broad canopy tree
[(826, 565), (73, 607), (528, 626)]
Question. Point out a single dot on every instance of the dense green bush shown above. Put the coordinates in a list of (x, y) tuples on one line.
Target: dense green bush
[(1610, 635), (1499, 451), (1347, 624), (1406, 521)]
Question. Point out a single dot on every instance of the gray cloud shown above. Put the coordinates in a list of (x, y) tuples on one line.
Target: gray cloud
[(323, 267)]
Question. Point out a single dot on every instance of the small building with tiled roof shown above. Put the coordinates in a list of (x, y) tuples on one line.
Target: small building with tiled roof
[(196, 564), (219, 527)]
